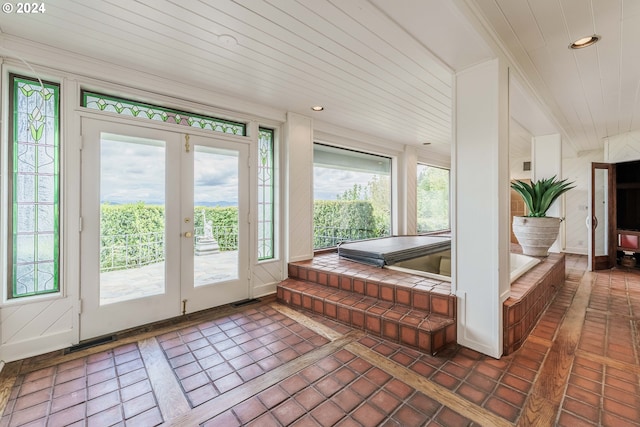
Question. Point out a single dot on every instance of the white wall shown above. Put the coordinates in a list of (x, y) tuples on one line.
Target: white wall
[(299, 211), (408, 192), (546, 162), (516, 170), (578, 169), (622, 148)]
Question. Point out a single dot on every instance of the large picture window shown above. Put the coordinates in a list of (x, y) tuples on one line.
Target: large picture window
[(433, 199), (352, 195), (34, 188)]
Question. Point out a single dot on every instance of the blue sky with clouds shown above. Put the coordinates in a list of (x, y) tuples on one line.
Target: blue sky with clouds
[(328, 183), (132, 172)]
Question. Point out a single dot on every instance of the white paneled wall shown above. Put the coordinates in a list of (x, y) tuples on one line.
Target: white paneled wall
[(622, 148), (34, 328), (299, 161), (516, 168), (481, 205), (578, 169), (266, 276), (408, 191)]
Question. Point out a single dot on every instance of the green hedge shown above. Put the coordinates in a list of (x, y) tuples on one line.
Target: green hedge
[(339, 220), (133, 234)]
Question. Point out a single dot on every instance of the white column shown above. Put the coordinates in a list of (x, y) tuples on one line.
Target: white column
[(407, 193), (546, 161), (299, 187), (481, 205)]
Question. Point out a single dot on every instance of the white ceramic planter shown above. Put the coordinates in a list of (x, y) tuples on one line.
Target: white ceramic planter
[(536, 234)]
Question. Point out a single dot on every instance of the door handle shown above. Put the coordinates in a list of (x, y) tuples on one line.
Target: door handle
[(595, 222), (188, 234)]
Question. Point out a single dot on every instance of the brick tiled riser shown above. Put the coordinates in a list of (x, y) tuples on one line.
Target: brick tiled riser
[(426, 331), (369, 289), (530, 296), (399, 312), (439, 302)]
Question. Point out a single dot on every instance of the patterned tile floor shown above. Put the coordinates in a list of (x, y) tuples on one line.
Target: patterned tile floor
[(267, 365)]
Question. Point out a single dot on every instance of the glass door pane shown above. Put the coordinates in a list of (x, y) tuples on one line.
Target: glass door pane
[(600, 208), (132, 218), (602, 249), (215, 208), (214, 251), (130, 238)]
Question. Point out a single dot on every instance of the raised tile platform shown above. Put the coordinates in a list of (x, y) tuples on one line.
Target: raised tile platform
[(530, 296), (411, 310)]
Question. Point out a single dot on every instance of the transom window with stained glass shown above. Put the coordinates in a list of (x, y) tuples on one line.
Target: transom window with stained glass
[(126, 107), (34, 190)]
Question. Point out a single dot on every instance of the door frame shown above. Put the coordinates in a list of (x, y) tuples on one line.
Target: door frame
[(603, 262), (97, 319), (199, 298), (173, 213)]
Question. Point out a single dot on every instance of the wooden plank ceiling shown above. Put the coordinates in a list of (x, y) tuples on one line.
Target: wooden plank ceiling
[(592, 93), (377, 66)]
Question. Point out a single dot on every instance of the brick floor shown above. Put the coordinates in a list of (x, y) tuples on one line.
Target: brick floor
[(265, 364)]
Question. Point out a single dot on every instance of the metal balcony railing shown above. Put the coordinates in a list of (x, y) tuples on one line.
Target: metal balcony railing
[(124, 251), (327, 237)]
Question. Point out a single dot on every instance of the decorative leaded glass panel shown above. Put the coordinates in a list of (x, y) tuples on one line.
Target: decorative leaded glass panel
[(265, 194), (125, 107), (35, 187)]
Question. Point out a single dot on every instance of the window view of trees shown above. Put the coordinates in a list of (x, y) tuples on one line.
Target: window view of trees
[(433, 199), (352, 196)]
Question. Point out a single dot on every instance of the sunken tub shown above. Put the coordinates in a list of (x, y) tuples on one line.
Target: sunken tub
[(427, 256)]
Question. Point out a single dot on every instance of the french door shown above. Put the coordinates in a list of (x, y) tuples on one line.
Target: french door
[(164, 225)]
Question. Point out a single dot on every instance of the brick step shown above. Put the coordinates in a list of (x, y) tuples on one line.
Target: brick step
[(426, 331), (413, 291)]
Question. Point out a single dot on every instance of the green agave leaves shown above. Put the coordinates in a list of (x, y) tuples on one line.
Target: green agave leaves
[(539, 195)]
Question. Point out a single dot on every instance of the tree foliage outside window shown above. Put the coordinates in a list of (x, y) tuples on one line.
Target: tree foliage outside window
[(352, 196), (376, 193), (433, 199)]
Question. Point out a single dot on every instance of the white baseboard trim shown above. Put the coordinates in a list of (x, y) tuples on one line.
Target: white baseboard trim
[(576, 251), (264, 290), (10, 352)]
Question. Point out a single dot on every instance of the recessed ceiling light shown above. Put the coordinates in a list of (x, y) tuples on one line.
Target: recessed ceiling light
[(584, 42), (317, 108)]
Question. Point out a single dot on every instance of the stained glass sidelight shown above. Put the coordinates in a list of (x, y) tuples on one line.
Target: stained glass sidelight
[(35, 164), (125, 107), (265, 194)]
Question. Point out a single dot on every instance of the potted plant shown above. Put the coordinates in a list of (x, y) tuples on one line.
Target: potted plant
[(536, 232)]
